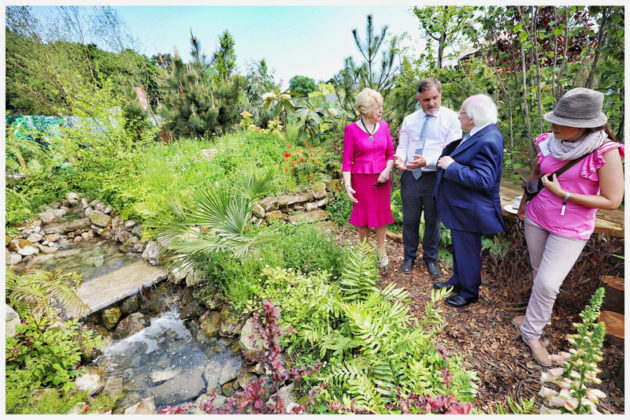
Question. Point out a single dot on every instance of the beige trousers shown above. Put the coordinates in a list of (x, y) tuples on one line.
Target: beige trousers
[(552, 257)]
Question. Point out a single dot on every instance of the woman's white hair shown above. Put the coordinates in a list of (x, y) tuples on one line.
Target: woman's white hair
[(366, 99), (482, 110)]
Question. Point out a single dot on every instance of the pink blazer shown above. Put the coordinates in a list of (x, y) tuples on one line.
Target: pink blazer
[(364, 156)]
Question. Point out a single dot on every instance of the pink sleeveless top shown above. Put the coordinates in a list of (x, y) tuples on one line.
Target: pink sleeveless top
[(578, 221)]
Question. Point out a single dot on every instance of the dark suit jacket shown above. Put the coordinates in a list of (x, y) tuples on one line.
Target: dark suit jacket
[(467, 192)]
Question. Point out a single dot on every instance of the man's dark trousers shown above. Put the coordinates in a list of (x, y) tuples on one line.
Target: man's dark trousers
[(417, 196), (466, 262)]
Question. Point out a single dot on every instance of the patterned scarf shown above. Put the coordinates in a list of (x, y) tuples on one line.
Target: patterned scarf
[(569, 150)]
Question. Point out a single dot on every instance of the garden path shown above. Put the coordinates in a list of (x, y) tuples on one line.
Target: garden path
[(483, 334)]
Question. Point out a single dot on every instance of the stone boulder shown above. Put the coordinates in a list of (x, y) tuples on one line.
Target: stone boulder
[(113, 387), (287, 200), (99, 218), (12, 319), (91, 381), (210, 323), (258, 210), (35, 237), (152, 251), (130, 305), (246, 342), (319, 190), (146, 406), (48, 217), (69, 226), (23, 247), (13, 258), (274, 216), (183, 387), (130, 325), (110, 317), (221, 370), (309, 217), (47, 249), (230, 324), (269, 204)]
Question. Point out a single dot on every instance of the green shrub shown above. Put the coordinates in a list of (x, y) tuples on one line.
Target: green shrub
[(339, 209)]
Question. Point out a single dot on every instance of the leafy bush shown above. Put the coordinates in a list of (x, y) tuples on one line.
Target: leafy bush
[(339, 209)]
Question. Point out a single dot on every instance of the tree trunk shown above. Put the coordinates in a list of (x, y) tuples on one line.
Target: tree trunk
[(600, 40), (526, 115), (538, 77)]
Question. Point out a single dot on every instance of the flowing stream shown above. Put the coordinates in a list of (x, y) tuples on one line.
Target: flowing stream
[(166, 360)]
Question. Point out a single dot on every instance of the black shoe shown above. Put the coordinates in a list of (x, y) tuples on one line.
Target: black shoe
[(443, 285), (459, 302), (407, 266), (433, 268)]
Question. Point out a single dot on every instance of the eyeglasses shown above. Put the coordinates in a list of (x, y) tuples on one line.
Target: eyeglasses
[(463, 113)]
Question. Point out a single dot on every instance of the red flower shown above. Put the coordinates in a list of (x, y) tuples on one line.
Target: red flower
[(287, 155), (305, 144), (301, 159), (309, 175), (87, 407), (289, 146), (312, 147)]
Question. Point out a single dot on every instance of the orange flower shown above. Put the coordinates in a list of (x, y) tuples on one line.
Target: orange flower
[(312, 147), (289, 146), (309, 175), (305, 144)]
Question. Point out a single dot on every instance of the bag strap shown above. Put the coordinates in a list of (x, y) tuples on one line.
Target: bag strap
[(568, 166)]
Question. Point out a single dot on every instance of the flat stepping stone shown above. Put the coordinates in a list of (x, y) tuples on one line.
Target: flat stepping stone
[(112, 287)]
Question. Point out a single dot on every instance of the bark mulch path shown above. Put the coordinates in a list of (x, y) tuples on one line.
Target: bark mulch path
[(483, 334)]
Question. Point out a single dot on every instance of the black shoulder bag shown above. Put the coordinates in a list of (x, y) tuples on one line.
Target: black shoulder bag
[(534, 186)]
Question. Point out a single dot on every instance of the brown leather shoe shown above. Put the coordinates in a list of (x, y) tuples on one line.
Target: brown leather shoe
[(538, 352)]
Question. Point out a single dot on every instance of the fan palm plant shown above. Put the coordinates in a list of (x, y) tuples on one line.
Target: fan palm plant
[(215, 221)]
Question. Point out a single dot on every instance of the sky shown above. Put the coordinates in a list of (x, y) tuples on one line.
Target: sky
[(294, 40)]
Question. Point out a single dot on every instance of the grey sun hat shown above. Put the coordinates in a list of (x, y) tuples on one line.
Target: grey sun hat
[(579, 107)]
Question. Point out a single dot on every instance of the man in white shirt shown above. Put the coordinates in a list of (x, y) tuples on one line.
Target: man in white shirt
[(423, 135)]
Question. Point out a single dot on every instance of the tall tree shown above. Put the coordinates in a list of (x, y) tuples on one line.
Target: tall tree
[(225, 57), (302, 85), (379, 79)]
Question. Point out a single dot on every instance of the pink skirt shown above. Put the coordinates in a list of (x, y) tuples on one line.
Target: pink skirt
[(373, 209)]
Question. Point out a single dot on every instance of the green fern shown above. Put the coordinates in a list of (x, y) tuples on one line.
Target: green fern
[(37, 292), (359, 275)]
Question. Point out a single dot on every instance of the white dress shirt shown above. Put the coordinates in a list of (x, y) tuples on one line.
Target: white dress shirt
[(442, 129)]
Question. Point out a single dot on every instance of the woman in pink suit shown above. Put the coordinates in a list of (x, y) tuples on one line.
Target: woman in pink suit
[(368, 158)]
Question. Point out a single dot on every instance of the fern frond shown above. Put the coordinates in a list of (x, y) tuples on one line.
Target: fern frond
[(359, 274), (255, 187)]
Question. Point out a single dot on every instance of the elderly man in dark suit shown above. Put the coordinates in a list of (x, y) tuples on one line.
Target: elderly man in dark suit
[(467, 194)]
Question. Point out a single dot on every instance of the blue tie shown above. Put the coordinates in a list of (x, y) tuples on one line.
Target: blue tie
[(466, 137), (417, 173)]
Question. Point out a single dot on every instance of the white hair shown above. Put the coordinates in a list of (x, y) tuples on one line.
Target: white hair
[(482, 110), (366, 99)]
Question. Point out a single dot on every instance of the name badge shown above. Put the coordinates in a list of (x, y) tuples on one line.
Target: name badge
[(544, 148)]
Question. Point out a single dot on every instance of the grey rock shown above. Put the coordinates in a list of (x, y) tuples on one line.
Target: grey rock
[(113, 387), (139, 247), (146, 406), (151, 251), (23, 247), (107, 210), (48, 217), (53, 237), (47, 249), (287, 200), (129, 223), (90, 381), (274, 215), (230, 324), (130, 305), (164, 375), (110, 317), (34, 237), (60, 212), (84, 203), (137, 230), (322, 202), (12, 319), (269, 204), (183, 387), (130, 325), (13, 258), (72, 196), (193, 278), (319, 190), (222, 370), (244, 377), (246, 343), (258, 210), (310, 206), (210, 323), (99, 218), (69, 226), (310, 217)]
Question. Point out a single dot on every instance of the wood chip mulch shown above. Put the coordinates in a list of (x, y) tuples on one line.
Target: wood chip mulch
[(483, 334)]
